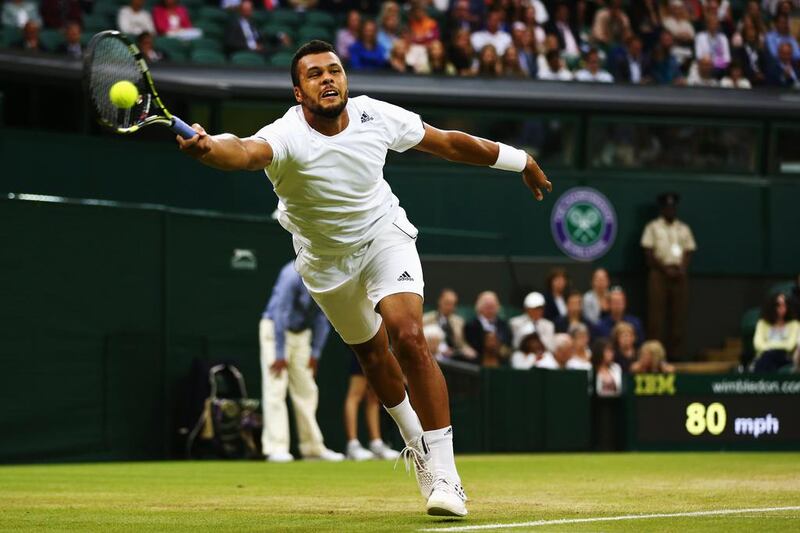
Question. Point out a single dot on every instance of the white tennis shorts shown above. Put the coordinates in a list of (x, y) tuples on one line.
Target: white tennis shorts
[(348, 288)]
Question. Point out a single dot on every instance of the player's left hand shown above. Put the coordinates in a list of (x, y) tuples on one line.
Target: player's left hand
[(535, 179), (312, 364)]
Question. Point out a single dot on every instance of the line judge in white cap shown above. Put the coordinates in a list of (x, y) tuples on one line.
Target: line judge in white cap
[(532, 320)]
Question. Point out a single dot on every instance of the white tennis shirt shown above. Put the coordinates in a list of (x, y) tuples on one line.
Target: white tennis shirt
[(332, 195)]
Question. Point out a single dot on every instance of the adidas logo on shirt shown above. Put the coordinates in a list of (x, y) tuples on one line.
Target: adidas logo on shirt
[(365, 117), (405, 276)]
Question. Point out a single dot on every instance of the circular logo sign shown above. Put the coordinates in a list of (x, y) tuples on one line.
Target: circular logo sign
[(584, 224)]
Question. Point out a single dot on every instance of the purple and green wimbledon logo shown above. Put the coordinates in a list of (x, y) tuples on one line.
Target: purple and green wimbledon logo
[(584, 224)]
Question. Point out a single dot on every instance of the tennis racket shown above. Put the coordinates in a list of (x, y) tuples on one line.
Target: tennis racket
[(110, 58)]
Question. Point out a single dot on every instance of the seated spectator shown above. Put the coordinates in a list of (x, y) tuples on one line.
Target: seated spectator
[(555, 305), (785, 72), (460, 18), (17, 13), (488, 63), (574, 314), (595, 301), (346, 36), (422, 28), (487, 308), (611, 24), (398, 55), (777, 335), (437, 60), (435, 338), (652, 360), (145, 44), (751, 55), (172, 20), (492, 35), (533, 321), (781, 35), (461, 53), (72, 41), (389, 26), (678, 24), (629, 64), (569, 41), (664, 68), (493, 354), (241, 34), (591, 72), (646, 20), (624, 338), (539, 11), (56, 13), (562, 356), (30, 38), (753, 17), (531, 26), (525, 47), (366, 53), (135, 19), (580, 343), (713, 43), (451, 324), (735, 78), (510, 64), (530, 351), (701, 74), (553, 68), (617, 312), (607, 373)]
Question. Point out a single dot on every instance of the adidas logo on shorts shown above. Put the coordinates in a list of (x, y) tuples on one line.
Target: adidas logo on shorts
[(405, 276)]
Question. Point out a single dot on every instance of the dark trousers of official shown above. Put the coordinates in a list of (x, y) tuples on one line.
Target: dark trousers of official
[(667, 300)]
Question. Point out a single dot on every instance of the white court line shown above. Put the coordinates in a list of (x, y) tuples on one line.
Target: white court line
[(613, 519)]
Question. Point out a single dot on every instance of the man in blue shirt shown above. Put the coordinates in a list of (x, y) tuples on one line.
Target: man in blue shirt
[(292, 332), (617, 312)]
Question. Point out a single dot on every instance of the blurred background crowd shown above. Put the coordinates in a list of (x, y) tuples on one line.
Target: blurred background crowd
[(728, 43)]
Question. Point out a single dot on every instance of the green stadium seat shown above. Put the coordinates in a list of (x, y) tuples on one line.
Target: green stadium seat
[(216, 14), (260, 17), (107, 9), (276, 29), (320, 18), (248, 59), (97, 22), (281, 59), (308, 33), (782, 288), (284, 17), (175, 49), (204, 43), (192, 4), (51, 39), (207, 57), (9, 36), (211, 29)]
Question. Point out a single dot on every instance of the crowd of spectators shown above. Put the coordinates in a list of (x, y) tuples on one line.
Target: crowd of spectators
[(739, 44)]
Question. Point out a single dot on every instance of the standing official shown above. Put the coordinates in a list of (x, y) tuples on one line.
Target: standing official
[(668, 246), (292, 332)]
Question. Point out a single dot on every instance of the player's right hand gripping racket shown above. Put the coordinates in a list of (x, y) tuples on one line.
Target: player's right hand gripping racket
[(111, 58)]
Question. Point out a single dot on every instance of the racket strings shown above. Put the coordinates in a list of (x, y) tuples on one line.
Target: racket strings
[(112, 61)]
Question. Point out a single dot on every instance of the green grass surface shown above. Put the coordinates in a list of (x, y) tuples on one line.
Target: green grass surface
[(303, 496)]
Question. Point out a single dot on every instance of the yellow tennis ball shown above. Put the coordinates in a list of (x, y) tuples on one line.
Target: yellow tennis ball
[(123, 94)]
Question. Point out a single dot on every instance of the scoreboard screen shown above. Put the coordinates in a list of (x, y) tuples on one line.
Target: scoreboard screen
[(689, 411)]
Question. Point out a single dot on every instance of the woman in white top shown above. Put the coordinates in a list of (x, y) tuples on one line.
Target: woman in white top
[(608, 374), (134, 19), (777, 335), (595, 301)]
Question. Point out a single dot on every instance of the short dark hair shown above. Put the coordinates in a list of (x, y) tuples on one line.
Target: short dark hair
[(311, 47)]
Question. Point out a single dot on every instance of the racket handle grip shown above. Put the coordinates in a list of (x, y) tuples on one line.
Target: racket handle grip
[(182, 128)]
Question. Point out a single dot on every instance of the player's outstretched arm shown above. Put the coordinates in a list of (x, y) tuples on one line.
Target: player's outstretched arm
[(226, 151), (465, 148)]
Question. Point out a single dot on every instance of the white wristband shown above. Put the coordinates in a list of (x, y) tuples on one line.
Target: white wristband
[(510, 158)]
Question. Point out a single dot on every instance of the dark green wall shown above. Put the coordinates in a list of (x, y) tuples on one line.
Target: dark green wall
[(740, 222)]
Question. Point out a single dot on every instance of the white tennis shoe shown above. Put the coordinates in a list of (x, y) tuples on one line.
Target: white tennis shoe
[(447, 499), (356, 452), (326, 455), (280, 457), (417, 454)]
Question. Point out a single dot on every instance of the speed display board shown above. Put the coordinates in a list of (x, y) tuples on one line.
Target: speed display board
[(706, 412)]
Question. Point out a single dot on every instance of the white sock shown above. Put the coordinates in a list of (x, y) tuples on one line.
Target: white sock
[(406, 419), (442, 461)]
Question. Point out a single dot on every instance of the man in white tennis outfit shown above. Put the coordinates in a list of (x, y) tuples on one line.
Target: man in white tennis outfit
[(356, 249)]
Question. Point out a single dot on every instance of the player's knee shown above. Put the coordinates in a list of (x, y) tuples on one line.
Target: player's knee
[(409, 342)]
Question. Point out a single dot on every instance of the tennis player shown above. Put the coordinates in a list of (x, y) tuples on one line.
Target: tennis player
[(356, 249)]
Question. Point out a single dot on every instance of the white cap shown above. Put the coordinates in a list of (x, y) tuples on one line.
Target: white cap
[(534, 300)]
